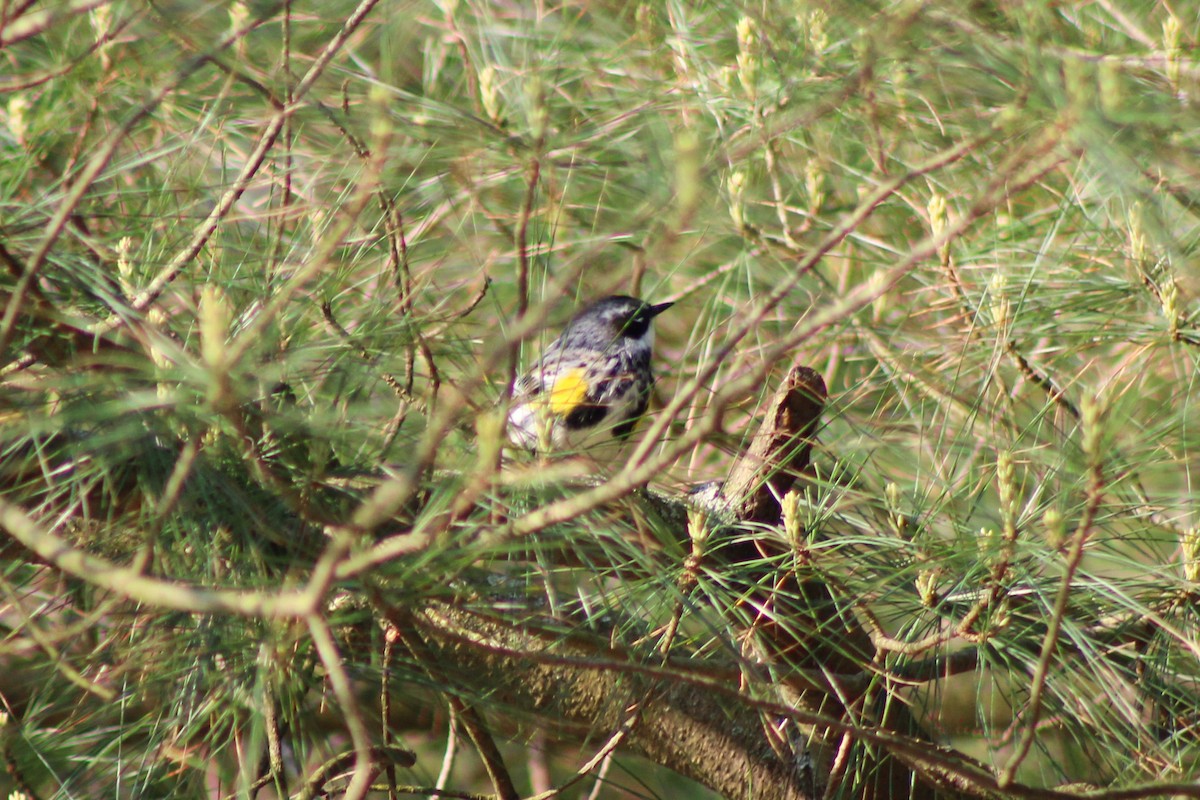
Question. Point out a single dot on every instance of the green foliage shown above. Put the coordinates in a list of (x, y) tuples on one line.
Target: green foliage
[(264, 285)]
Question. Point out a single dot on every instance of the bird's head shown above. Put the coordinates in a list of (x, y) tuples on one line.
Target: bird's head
[(615, 318)]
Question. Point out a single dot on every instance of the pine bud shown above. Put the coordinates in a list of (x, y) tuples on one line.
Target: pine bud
[(488, 93), (1191, 554), (749, 55)]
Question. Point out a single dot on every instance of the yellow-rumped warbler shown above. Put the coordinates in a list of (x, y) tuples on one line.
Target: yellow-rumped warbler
[(593, 382)]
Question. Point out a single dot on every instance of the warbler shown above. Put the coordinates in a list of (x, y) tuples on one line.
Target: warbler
[(592, 383)]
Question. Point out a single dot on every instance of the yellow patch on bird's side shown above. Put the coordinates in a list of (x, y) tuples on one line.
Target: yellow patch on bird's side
[(569, 391)]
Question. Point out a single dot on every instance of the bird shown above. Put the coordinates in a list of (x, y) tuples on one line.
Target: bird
[(592, 384)]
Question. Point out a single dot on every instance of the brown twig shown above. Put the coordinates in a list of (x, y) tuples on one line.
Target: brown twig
[(19, 27), (254, 162), (468, 718), (338, 330), (390, 637), (364, 754), (1073, 558), (131, 584), (522, 245), (91, 171), (314, 785)]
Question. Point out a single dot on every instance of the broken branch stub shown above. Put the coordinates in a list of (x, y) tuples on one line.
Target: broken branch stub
[(780, 450)]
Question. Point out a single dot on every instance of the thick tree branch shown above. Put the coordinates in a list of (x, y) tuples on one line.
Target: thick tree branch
[(719, 745)]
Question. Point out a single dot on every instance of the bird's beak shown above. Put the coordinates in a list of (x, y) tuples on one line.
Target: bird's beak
[(658, 309)]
